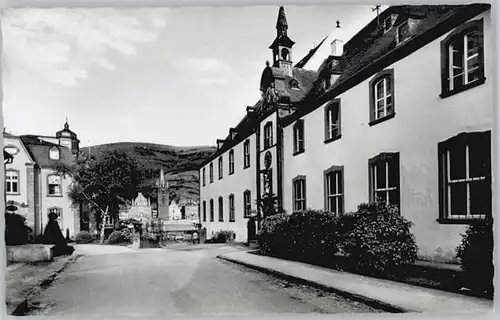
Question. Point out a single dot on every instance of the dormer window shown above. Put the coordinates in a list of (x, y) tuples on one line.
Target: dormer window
[(294, 84), (403, 32), (387, 24), (54, 153)]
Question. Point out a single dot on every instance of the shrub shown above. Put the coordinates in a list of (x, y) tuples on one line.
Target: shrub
[(476, 256), (313, 235), (117, 237), (16, 232), (378, 239), (272, 239), (223, 236), (84, 237)]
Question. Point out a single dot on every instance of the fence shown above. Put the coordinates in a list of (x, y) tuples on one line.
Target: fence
[(168, 232)]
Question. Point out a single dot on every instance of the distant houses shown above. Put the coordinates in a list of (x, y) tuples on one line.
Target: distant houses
[(142, 209)]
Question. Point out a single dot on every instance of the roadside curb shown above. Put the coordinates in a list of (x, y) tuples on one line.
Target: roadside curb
[(24, 306), (378, 304)]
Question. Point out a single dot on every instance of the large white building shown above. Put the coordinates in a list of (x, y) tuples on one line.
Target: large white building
[(403, 112)]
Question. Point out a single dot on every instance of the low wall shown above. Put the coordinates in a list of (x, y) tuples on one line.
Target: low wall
[(30, 253)]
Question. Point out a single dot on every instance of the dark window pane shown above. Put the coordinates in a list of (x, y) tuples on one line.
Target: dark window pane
[(458, 198), (473, 63), (473, 75), (331, 204), (381, 196), (340, 181), (393, 172), (387, 86), (380, 89), (389, 105), (380, 175), (380, 109), (479, 156), (340, 204), (394, 197), (457, 162), (480, 197), (473, 42), (332, 189)]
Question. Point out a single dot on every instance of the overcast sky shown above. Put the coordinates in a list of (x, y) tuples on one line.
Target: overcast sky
[(178, 76)]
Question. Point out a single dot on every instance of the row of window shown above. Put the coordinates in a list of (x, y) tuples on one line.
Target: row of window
[(54, 183), (463, 68), (246, 164), (247, 206), (464, 179)]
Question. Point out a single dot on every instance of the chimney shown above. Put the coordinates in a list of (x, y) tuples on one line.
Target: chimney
[(232, 132), (337, 46), (220, 142)]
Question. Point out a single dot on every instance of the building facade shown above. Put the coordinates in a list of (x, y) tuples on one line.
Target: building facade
[(34, 187), (246, 165), (390, 117)]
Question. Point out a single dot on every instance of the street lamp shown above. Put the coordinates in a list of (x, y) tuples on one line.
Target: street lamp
[(7, 158)]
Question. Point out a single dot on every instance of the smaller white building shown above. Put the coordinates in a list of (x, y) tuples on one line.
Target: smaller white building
[(32, 184)]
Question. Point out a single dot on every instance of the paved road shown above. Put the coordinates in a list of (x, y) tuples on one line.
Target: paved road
[(178, 281)]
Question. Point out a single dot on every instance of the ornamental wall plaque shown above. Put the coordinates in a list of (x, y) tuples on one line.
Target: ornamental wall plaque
[(268, 158)]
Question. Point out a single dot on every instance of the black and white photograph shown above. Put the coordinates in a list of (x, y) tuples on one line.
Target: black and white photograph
[(249, 159)]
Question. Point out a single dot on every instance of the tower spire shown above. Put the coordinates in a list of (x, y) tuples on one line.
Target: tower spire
[(281, 24)]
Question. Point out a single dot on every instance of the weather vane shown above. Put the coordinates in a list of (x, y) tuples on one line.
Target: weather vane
[(377, 9)]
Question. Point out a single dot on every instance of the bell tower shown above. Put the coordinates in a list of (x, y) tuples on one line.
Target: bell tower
[(69, 139), (282, 45)]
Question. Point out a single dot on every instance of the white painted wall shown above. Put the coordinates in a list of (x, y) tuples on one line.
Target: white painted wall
[(422, 120), (21, 163), (68, 212), (236, 183)]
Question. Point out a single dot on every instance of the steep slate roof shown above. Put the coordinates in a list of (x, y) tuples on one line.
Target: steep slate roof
[(371, 50), (39, 151), (368, 44), (305, 79)]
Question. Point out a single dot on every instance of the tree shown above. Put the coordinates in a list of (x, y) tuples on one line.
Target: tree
[(103, 182)]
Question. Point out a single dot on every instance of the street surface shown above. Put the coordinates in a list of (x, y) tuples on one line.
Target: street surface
[(184, 280)]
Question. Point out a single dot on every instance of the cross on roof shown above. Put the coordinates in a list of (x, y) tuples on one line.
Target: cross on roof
[(377, 9)]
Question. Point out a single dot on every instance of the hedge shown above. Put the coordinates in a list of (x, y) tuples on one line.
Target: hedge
[(84, 237), (379, 240), (475, 253), (117, 237), (222, 236), (16, 232), (376, 239)]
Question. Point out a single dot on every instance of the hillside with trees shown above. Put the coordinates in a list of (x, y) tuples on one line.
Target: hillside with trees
[(180, 165)]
